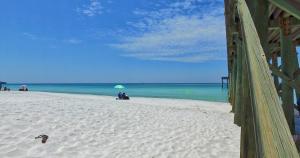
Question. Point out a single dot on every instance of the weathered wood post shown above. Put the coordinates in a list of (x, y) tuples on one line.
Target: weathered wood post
[(248, 142), (234, 78), (287, 68), (259, 10), (296, 74), (238, 92)]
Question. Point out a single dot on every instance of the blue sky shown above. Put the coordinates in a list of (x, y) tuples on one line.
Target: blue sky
[(112, 41)]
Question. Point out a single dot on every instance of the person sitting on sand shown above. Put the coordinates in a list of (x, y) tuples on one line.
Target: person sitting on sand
[(23, 88), (122, 96), (125, 97), (119, 95)]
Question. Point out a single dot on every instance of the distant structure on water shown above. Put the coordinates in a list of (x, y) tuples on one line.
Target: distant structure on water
[(226, 79)]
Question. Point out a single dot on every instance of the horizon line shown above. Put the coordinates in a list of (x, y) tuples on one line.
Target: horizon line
[(113, 82)]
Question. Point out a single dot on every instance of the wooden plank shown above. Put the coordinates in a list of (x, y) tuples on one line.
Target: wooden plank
[(229, 22), (238, 92), (296, 35), (234, 81), (290, 6), (248, 141), (259, 10), (272, 132), (289, 81), (287, 68), (296, 69), (275, 24), (233, 85)]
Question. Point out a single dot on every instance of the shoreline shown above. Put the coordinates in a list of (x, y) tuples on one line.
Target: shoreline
[(75, 93), (100, 126)]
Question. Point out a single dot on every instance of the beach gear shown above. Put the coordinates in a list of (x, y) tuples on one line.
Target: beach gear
[(23, 88), (44, 138), (119, 86)]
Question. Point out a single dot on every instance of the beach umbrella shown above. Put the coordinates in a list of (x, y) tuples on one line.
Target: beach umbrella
[(119, 86)]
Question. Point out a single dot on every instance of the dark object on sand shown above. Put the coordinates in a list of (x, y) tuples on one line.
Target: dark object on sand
[(26, 89), (44, 138), (122, 96), (23, 88)]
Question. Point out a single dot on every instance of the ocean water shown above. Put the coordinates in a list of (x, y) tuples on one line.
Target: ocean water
[(195, 91)]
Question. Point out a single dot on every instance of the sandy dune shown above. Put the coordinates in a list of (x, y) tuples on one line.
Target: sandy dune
[(100, 126)]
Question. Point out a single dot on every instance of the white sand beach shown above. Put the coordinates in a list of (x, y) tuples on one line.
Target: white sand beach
[(99, 126)]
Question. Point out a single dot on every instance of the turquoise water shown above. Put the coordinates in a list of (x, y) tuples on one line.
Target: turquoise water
[(197, 91)]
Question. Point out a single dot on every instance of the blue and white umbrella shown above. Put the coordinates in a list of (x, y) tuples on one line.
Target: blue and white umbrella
[(119, 86)]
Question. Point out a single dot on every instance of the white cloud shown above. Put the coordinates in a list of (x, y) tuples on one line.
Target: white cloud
[(52, 40), (179, 32), (30, 36), (92, 9), (72, 41)]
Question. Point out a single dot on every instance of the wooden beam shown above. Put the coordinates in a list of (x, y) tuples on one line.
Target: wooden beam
[(271, 130), (296, 77), (275, 24), (290, 6), (259, 10), (274, 45), (234, 79), (295, 36), (288, 69), (229, 21), (288, 80), (238, 91), (248, 139)]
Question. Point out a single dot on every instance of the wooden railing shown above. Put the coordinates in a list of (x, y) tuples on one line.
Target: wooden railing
[(256, 104)]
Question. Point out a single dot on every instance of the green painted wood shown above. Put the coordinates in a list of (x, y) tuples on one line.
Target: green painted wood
[(228, 22), (275, 24), (271, 130), (248, 142), (234, 78), (292, 83), (238, 92), (259, 11), (296, 68), (230, 88), (288, 69), (233, 86), (288, 7)]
